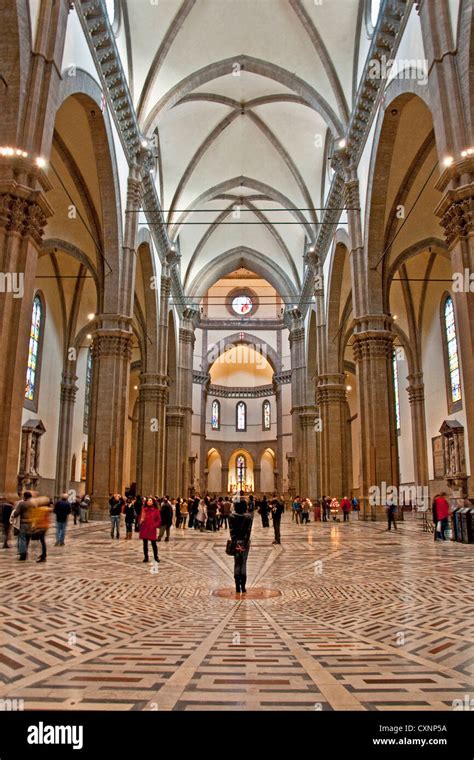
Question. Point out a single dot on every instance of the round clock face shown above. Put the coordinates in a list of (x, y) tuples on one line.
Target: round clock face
[(242, 305)]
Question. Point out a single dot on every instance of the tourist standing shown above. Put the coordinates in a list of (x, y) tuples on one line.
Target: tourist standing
[(391, 508), (7, 509), (116, 504), (240, 524), (212, 515), (441, 516), (184, 513), (130, 516), (22, 510), (226, 508), (201, 516), (150, 521), (84, 507), (277, 510), (166, 514), (40, 515), (264, 508), (346, 508), (305, 507), (62, 510)]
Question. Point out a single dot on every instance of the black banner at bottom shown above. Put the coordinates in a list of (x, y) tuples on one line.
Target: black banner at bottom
[(122, 734)]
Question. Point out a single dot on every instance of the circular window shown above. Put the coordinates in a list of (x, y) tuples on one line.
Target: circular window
[(242, 305), (241, 302)]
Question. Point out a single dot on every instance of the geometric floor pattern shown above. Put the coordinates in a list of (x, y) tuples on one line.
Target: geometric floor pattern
[(366, 620)]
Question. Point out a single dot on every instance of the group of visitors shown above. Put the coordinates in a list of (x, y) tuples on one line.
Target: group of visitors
[(324, 509), (153, 517), (29, 520)]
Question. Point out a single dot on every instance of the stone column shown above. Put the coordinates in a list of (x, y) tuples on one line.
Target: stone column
[(224, 478), (185, 393), (257, 483), (298, 392), (152, 394), (23, 213), (332, 401), (449, 78), (174, 460), (66, 421), (456, 212), (165, 292), (373, 353), (309, 479), (416, 397), (111, 355), (279, 452)]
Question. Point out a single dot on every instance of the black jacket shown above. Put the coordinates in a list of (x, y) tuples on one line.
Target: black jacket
[(166, 513), (240, 527), (62, 510), (7, 509), (115, 506)]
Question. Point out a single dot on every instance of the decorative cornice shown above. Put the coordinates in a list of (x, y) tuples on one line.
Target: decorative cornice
[(223, 391), (200, 378)]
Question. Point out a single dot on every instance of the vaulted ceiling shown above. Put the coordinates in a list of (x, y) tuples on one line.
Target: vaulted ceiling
[(244, 97)]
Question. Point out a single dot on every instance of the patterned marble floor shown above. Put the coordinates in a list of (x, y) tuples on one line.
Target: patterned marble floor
[(366, 620)]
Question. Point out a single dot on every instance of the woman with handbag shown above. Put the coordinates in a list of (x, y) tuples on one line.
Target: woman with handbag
[(240, 524)]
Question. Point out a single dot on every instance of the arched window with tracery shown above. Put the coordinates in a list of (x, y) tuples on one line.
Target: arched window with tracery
[(241, 416), (34, 352), (87, 397), (266, 415), (396, 392), (215, 415), (451, 354), (240, 471)]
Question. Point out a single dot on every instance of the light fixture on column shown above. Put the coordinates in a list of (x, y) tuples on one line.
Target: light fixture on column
[(447, 161), (467, 152), (90, 317), (40, 162), (341, 144), (135, 387), (89, 337), (348, 387)]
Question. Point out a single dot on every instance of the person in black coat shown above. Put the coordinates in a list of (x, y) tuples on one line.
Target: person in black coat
[(240, 524), (263, 508), (7, 509), (62, 510), (166, 514), (277, 510)]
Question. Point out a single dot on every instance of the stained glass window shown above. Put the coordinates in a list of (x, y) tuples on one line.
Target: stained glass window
[(397, 394), (87, 398), (241, 416), (242, 304), (266, 415), (452, 351), (240, 468), (215, 415), (33, 350)]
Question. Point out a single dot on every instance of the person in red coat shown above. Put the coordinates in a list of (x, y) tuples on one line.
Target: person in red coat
[(346, 508), (440, 515), (150, 522)]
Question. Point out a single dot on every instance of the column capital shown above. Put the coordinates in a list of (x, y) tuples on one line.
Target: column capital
[(186, 335), (416, 388), (25, 216), (456, 213), (112, 343)]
